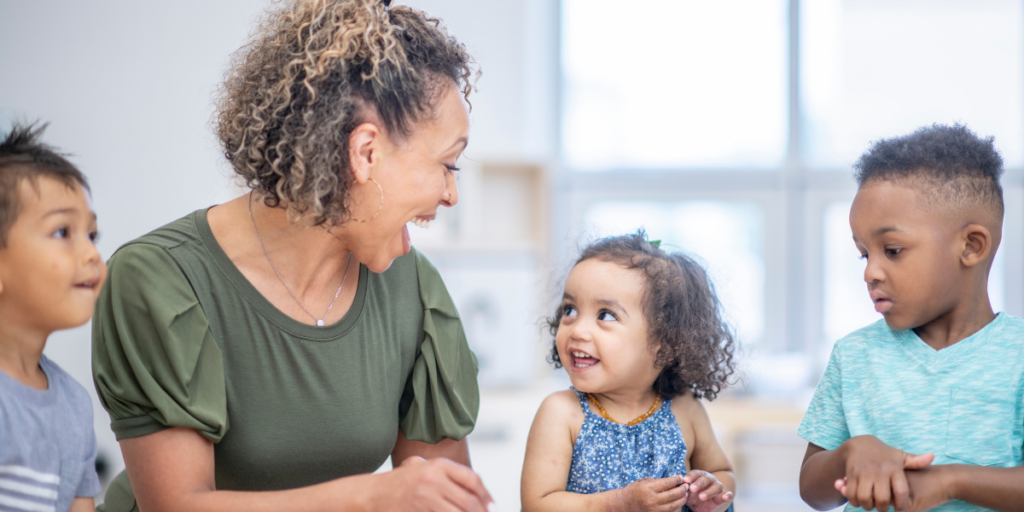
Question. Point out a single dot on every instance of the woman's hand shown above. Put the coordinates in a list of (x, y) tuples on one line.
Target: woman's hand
[(436, 485), (650, 495), (706, 492)]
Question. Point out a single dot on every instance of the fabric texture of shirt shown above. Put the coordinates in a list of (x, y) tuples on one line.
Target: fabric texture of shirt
[(964, 403), (47, 445), (181, 338), (609, 455)]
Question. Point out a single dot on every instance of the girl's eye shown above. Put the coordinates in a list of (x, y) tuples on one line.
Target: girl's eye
[(864, 256), (451, 168), (568, 311), (61, 233), (94, 236), (606, 316), (892, 251)]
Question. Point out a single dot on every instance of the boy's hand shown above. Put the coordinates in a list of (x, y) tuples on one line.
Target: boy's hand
[(875, 477), (927, 489), (650, 495), (706, 492)]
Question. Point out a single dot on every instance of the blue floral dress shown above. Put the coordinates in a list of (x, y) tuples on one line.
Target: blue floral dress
[(609, 455)]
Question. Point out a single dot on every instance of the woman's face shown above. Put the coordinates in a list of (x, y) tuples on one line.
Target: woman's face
[(416, 176)]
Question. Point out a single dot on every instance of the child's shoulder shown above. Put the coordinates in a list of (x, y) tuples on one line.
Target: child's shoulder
[(561, 407), (74, 394), (687, 407), (562, 402), (866, 337)]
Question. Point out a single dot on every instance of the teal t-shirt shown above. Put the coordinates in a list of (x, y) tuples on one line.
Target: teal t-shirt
[(964, 403)]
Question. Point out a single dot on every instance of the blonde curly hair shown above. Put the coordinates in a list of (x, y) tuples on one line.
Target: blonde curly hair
[(307, 78)]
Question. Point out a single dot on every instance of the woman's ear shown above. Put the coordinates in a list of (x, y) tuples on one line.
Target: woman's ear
[(364, 150), (977, 242)]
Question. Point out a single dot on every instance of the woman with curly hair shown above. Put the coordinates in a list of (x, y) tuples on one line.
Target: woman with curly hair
[(640, 333), (290, 340)]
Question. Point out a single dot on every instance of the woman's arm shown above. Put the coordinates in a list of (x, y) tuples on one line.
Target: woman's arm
[(173, 470), (455, 451), (549, 456)]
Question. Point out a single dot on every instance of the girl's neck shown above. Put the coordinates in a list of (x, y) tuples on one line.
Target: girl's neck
[(625, 405)]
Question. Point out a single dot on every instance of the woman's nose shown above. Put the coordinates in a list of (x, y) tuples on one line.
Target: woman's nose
[(451, 190)]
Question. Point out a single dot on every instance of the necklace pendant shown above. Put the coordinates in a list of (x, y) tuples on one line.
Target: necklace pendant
[(320, 323)]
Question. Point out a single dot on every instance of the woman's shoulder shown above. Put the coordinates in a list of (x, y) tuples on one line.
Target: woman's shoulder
[(174, 234)]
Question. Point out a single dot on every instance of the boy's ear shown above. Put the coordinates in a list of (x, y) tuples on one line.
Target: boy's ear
[(364, 150), (977, 244)]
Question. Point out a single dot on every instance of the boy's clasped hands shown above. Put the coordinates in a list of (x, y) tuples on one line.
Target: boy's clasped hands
[(879, 476)]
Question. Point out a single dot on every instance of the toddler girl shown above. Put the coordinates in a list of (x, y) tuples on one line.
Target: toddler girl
[(641, 336)]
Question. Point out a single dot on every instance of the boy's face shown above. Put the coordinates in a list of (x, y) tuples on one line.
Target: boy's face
[(50, 270), (913, 267)]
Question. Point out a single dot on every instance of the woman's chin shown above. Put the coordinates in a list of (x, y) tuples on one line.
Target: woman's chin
[(398, 246)]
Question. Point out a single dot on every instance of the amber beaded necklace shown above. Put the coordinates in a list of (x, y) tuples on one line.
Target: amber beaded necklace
[(638, 419)]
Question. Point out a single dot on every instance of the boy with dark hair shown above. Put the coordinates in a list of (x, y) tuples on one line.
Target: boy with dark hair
[(50, 276), (924, 410)]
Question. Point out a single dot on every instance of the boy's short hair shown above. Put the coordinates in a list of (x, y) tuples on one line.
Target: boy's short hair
[(23, 156), (957, 166)]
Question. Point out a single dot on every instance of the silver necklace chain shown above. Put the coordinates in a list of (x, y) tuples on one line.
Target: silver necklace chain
[(348, 263)]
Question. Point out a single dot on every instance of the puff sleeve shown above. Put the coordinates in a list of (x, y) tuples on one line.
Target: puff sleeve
[(441, 398), (155, 362)]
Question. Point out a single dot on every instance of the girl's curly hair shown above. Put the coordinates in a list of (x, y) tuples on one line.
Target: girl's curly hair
[(694, 346), (305, 81)]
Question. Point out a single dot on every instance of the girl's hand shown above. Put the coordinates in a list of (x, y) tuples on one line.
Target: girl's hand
[(650, 495), (435, 485), (706, 492)]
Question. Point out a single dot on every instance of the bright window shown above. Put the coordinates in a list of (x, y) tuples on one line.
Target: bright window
[(725, 236), (880, 68), (644, 84)]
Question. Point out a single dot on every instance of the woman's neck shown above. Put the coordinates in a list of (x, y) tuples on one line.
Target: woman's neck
[(294, 264)]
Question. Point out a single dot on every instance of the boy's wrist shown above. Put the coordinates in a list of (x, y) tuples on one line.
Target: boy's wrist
[(951, 477)]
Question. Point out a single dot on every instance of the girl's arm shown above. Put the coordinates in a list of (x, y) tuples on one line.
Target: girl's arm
[(707, 456), (549, 456), (173, 470)]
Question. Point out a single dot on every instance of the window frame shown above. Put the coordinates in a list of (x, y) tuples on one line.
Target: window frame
[(793, 197)]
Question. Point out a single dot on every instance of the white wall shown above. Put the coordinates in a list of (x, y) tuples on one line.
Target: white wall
[(127, 88)]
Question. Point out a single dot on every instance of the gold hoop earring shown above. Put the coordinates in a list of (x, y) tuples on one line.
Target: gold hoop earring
[(379, 208)]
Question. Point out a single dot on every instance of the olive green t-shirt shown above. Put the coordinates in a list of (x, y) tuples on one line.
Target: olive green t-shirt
[(182, 339)]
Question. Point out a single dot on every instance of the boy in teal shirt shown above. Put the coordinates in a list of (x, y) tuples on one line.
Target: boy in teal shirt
[(923, 410)]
